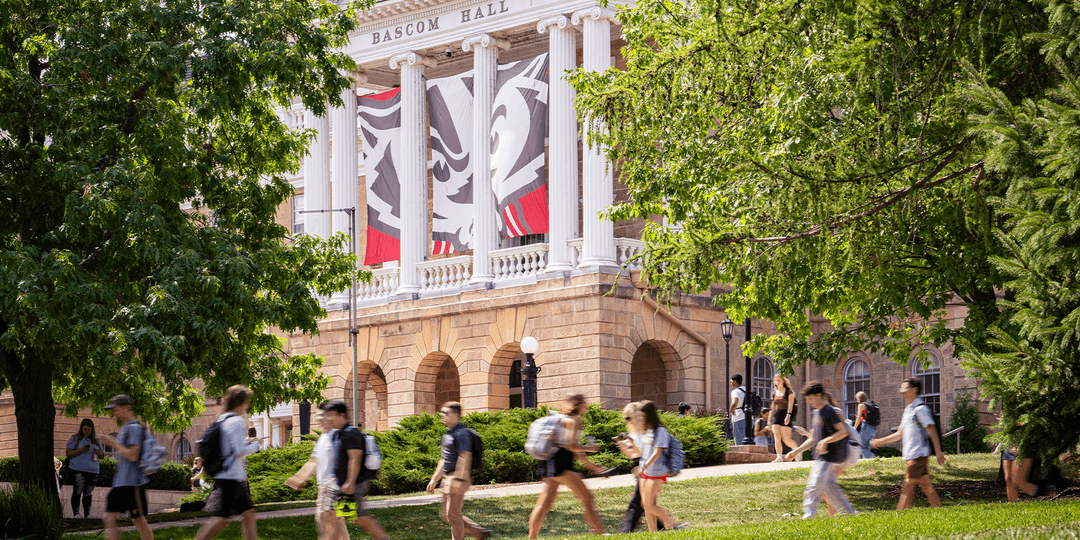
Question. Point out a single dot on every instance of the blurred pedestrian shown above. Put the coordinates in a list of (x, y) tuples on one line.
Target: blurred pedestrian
[(829, 442), (455, 472), (635, 510), (919, 441), (84, 452), (321, 465), (784, 409), (867, 430), (127, 493), (762, 429), (650, 441), (232, 482), (559, 470)]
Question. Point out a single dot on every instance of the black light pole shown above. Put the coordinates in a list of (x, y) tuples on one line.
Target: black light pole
[(353, 330), (529, 371), (749, 384), (727, 329)]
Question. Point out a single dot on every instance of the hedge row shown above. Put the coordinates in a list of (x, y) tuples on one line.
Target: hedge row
[(172, 476)]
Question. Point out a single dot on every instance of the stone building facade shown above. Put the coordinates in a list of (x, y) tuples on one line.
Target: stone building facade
[(433, 328)]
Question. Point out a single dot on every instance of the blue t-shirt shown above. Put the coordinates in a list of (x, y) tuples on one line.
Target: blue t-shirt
[(647, 442), (85, 461), (455, 441), (127, 472)]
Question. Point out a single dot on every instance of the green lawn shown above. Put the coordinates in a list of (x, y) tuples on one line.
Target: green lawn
[(762, 505)]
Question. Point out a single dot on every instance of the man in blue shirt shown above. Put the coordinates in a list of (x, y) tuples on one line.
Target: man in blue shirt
[(919, 442), (455, 471), (127, 493), (829, 444)]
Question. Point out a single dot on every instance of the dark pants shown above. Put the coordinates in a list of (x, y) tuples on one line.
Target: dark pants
[(83, 490), (634, 513)]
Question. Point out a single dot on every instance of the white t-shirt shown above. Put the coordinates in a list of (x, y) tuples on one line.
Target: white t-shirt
[(324, 458), (738, 394)]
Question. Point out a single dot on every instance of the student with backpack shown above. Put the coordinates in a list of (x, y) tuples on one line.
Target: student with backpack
[(461, 454), (867, 419), (735, 412), (651, 443), (830, 445), (228, 465), (560, 448), (350, 449), (919, 433), (321, 465), (127, 493)]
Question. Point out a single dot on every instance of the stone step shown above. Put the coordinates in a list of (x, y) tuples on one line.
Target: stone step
[(747, 457), (752, 448)]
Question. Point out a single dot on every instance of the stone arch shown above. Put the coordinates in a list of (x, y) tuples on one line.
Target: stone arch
[(374, 413), (654, 374), (503, 395), (437, 381)]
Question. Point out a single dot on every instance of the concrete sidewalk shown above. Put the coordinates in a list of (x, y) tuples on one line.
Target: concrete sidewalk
[(532, 488)]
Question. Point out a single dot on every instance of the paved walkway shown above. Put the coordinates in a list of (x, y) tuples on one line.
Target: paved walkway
[(508, 490)]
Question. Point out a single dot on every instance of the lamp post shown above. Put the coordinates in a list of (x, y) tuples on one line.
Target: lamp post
[(529, 371), (353, 330), (727, 329)]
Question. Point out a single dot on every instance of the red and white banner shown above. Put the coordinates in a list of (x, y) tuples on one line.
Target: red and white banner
[(519, 125), (450, 116), (379, 117)]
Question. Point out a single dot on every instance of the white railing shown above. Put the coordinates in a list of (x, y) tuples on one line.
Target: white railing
[(384, 282), (444, 273), (626, 249), (519, 262), (576, 245)]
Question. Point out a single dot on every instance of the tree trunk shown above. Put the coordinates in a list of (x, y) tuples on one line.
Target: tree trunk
[(35, 416)]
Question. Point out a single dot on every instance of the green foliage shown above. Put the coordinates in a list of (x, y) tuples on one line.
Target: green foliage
[(1032, 360), (267, 471), (172, 476), (30, 513), (9, 469), (115, 114), (966, 413)]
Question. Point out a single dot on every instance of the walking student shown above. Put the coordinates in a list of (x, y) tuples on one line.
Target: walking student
[(321, 465), (231, 482), (919, 441), (649, 440), (784, 410), (559, 470), (634, 510), (455, 472), (84, 452), (735, 412), (829, 441), (349, 471), (867, 430), (127, 493)]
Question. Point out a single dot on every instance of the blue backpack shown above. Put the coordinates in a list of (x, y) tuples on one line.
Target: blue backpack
[(152, 454), (676, 457)]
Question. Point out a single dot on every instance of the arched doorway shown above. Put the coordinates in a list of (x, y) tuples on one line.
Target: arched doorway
[(506, 377), (649, 377), (373, 412), (437, 381)]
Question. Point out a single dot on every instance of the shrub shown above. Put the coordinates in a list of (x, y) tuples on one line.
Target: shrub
[(172, 476), (9, 469), (267, 471), (30, 513), (966, 413)]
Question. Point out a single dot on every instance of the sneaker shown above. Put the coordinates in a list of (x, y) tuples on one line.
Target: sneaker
[(681, 526), (779, 459), (607, 472)]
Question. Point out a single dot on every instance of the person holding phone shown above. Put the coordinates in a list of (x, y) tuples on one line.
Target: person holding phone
[(84, 451)]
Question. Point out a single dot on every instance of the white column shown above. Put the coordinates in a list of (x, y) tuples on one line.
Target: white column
[(598, 248), (317, 176), (413, 173), (486, 235), (562, 142), (344, 169)]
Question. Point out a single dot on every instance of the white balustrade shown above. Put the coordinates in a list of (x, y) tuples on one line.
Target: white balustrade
[(517, 262), (384, 282), (444, 273), (626, 249), (576, 245)]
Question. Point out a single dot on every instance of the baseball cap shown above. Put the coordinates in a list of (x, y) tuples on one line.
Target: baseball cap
[(119, 400)]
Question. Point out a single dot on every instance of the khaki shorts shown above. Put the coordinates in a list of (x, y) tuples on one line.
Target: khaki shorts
[(328, 493), (917, 468)]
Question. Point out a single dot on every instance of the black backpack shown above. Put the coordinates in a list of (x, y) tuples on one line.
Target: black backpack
[(209, 448), (752, 403), (477, 450), (873, 414)]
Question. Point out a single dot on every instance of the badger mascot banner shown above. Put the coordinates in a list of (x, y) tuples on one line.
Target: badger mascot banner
[(450, 115), (379, 116)]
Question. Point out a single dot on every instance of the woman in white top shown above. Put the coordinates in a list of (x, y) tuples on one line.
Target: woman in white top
[(649, 440)]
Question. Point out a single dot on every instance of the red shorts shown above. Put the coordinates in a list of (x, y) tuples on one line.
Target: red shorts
[(647, 477)]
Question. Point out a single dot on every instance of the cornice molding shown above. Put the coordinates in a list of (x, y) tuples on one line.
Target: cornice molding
[(485, 41), (411, 58)]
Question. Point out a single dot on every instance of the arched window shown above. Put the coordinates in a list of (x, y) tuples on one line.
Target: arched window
[(929, 372), (856, 379), (763, 374), (183, 449)]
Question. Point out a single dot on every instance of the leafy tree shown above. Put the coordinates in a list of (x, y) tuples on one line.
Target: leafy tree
[(111, 114), (1033, 369), (966, 413), (815, 158)]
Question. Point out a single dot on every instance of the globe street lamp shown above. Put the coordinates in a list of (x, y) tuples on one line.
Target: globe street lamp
[(529, 346), (727, 329)]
